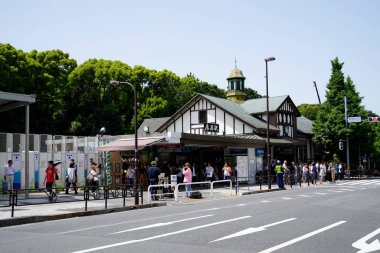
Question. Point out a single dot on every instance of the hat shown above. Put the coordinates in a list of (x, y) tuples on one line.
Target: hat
[(153, 163), (278, 161)]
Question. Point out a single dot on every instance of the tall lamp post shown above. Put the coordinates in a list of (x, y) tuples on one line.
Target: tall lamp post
[(113, 82), (268, 146)]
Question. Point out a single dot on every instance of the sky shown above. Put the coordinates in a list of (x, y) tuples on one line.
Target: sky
[(205, 36)]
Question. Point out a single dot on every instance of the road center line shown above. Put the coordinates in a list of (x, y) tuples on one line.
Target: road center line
[(159, 236), (283, 245)]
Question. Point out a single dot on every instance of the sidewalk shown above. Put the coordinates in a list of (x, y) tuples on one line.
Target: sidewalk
[(37, 208)]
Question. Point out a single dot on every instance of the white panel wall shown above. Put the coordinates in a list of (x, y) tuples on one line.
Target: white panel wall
[(238, 127), (186, 122), (171, 128), (210, 115), (229, 124), (178, 125), (220, 120), (194, 117), (248, 129)]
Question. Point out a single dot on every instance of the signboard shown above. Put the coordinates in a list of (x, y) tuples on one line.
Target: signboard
[(211, 127), (354, 119), (259, 152)]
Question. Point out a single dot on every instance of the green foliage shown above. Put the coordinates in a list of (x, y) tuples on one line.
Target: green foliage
[(309, 110), (251, 94), (330, 126), (79, 100)]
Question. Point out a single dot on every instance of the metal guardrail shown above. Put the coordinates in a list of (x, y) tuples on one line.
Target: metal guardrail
[(52, 195)]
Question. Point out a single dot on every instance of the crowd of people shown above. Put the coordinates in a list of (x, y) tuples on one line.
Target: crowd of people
[(314, 172)]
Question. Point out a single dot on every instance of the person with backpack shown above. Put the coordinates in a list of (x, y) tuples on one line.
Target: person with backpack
[(227, 171)]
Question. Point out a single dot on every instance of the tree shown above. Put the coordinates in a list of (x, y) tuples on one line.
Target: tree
[(330, 126), (91, 102), (310, 111), (251, 94)]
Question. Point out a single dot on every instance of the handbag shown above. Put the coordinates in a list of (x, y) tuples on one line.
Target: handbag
[(56, 176)]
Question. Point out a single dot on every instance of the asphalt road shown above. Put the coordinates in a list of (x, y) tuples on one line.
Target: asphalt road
[(342, 217)]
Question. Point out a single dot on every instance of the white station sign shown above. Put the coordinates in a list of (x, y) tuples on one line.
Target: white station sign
[(354, 119)]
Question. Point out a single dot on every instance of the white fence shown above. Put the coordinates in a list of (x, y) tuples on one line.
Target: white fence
[(42, 149)]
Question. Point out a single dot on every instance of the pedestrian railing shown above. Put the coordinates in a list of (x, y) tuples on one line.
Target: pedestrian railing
[(169, 187)]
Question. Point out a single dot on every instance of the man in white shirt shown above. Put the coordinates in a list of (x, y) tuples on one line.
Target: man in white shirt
[(9, 171)]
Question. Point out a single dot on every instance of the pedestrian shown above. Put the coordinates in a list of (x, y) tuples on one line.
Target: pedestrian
[(305, 170), (279, 174), (153, 172), (72, 177), (131, 175), (209, 173), (332, 171), (322, 172), (93, 179), (187, 178), (9, 171), (227, 171), (50, 176), (286, 172), (314, 172)]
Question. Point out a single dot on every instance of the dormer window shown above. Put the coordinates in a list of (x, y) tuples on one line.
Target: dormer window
[(202, 116)]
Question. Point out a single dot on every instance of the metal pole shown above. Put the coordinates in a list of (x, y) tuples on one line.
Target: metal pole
[(136, 145), (316, 89), (268, 145), (27, 151), (347, 139)]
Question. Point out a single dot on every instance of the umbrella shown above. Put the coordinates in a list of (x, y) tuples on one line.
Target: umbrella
[(57, 163)]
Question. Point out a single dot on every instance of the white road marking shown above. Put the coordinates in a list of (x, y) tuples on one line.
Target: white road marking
[(160, 236), (138, 220), (321, 193), (335, 191), (367, 247), (345, 189), (265, 201), (305, 196), (285, 244), (159, 224), (242, 204), (252, 230), (286, 198)]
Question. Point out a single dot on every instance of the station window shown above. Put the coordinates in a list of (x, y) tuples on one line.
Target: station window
[(202, 116)]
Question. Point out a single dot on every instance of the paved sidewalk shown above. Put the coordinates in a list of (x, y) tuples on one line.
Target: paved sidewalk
[(37, 208)]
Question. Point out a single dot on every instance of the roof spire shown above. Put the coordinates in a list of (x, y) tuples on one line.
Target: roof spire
[(235, 63)]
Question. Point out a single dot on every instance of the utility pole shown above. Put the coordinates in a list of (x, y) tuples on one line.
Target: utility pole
[(347, 139), (316, 89)]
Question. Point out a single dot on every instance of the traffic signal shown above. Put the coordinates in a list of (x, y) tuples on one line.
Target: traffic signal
[(341, 145), (373, 119)]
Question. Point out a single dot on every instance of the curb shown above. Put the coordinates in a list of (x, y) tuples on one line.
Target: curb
[(262, 191), (33, 219)]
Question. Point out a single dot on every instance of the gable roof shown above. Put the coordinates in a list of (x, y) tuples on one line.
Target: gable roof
[(226, 105), (259, 105), (304, 125), (153, 124)]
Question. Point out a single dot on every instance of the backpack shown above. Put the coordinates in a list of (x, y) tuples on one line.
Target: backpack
[(195, 195)]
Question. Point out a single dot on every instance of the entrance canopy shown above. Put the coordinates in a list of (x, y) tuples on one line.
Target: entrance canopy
[(129, 144), (9, 101)]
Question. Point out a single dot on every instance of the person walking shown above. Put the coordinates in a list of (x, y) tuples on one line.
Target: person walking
[(209, 173), (322, 172), (72, 176), (50, 175), (131, 175), (332, 171), (280, 175), (187, 178), (9, 171), (93, 179), (153, 172)]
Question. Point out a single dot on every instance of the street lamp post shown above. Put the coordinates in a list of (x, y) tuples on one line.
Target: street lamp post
[(268, 144), (113, 82)]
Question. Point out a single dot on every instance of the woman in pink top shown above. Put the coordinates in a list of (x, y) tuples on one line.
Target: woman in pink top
[(187, 178)]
